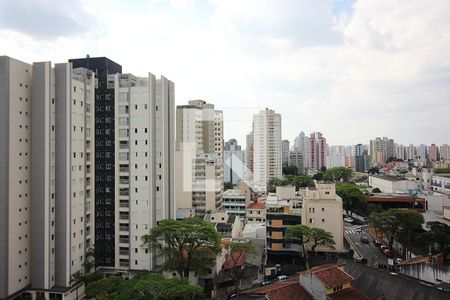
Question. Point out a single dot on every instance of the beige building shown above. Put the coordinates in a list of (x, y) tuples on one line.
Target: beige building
[(392, 184), (322, 208), (199, 157)]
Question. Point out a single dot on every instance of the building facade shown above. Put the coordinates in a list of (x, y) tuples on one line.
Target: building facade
[(285, 150), (317, 151), (335, 157), (301, 145), (46, 156), (267, 148), (381, 149), (199, 157), (433, 152), (362, 159), (233, 162)]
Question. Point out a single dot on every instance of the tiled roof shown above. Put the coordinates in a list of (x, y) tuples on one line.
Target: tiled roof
[(284, 290), (330, 275), (348, 293), (235, 259), (257, 205)]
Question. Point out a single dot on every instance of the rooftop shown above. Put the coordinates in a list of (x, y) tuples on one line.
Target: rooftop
[(283, 290), (330, 275), (233, 192), (389, 177), (257, 205)]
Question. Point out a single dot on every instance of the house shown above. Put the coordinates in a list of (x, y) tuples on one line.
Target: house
[(325, 282), (228, 225)]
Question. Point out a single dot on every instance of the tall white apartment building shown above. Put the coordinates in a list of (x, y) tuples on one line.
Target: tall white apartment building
[(400, 152), (144, 122), (410, 151), (267, 148), (46, 177), (199, 156), (336, 156)]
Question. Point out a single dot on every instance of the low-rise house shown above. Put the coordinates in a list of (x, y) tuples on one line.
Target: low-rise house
[(236, 200), (325, 282), (228, 225), (256, 212)]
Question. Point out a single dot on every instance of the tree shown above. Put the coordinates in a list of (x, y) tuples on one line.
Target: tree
[(338, 174), (298, 181), (312, 236), (352, 197), (318, 176), (289, 170), (143, 287), (439, 238), (227, 186), (376, 190), (189, 244), (235, 265), (398, 224), (374, 170)]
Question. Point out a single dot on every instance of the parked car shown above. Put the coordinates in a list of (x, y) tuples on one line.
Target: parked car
[(364, 239), (357, 222), (266, 282), (358, 230), (361, 260), (388, 253), (383, 247), (348, 220), (377, 243), (282, 277), (398, 260)]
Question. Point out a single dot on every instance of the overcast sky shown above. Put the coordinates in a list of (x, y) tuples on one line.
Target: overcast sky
[(352, 69)]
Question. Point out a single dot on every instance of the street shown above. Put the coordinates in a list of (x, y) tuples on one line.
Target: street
[(368, 251)]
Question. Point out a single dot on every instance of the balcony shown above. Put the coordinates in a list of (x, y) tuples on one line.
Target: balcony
[(124, 227), (124, 145), (124, 239), (124, 168), (124, 204)]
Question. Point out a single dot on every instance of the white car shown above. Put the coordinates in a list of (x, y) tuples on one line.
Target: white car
[(282, 277), (348, 220)]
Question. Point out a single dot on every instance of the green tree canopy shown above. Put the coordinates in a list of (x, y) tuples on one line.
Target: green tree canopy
[(376, 190), (235, 265), (227, 186), (143, 287), (398, 224), (188, 245), (311, 236), (352, 197), (297, 181), (338, 174), (289, 170)]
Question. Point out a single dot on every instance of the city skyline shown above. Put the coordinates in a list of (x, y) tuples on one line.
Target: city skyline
[(307, 71)]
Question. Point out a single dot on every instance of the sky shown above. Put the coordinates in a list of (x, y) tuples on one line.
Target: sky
[(351, 69)]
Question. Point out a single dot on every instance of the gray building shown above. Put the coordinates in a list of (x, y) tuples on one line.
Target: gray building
[(233, 162), (285, 149), (362, 159)]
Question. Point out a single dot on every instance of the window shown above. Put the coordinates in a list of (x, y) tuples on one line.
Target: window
[(311, 221), (311, 209)]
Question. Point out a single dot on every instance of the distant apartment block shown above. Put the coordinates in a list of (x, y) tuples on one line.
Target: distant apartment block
[(199, 157), (267, 148), (317, 151), (381, 149), (362, 159), (285, 150), (335, 157), (301, 145), (441, 183)]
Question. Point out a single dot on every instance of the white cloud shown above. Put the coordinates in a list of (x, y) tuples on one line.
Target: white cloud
[(379, 69)]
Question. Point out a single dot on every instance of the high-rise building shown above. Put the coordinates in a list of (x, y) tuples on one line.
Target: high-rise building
[(381, 149), (400, 152), (46, 139), (199, 157), (362, 159), (335, 157), (433, 152), (444, 151), (422, 151), (267, 148), (134, 150), (248, 171), (296, 159), (410, 152), (285, 149), (317, 151), (233, 162), (301, 145), (105, 163)]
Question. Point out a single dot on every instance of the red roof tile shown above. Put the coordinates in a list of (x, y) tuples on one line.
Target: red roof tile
[(284, 290), (257, 205), (235, 259), (348, 293), (330, 275)]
